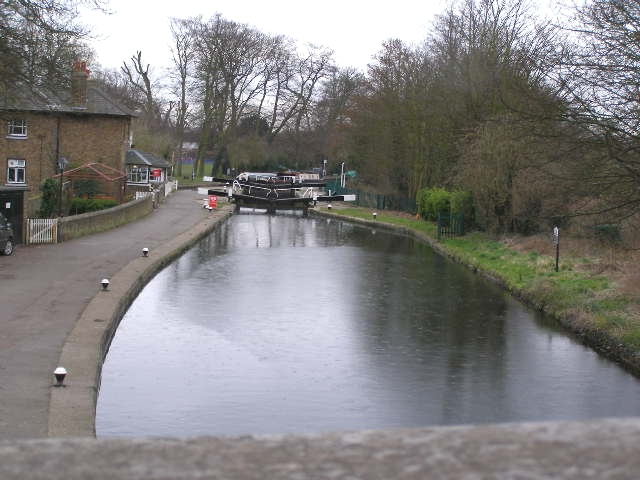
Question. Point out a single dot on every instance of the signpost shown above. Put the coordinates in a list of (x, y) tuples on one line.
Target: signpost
[(556, 242)]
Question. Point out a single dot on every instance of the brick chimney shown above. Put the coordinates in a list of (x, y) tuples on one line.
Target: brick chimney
[(79, 78)]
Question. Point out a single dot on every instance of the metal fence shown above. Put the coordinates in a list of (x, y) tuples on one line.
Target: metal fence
[(450, 225), (381, 202)]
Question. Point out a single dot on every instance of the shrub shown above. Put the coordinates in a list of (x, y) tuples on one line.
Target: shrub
[(439, 200), (431, 201), (84, 205), (49, 204), (462, 202)]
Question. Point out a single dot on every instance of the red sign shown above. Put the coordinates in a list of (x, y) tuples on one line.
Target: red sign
[(213, 201), (156, 172)]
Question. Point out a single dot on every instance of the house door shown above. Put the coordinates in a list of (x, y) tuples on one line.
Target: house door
[(11, 205)]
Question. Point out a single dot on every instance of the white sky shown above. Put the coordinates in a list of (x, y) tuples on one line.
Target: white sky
[(353, 29)]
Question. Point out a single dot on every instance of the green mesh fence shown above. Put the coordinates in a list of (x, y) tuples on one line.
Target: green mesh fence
[(379, 202)]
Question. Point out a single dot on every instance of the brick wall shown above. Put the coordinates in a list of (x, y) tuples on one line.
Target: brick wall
[(83, 138), (93, 222)]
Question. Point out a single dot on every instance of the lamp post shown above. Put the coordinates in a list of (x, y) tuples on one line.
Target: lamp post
[(62, 162)]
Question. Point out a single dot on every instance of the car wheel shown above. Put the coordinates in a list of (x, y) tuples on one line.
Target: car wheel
[(8, 248)]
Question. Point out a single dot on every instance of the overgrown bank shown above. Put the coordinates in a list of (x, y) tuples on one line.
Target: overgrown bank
[(582, 296)]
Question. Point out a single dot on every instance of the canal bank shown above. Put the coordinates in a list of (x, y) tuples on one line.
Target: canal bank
[(44, 291), (577, 319), (72, 408)]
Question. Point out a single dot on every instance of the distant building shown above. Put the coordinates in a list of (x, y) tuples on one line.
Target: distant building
[(189, 147), (145, 170)]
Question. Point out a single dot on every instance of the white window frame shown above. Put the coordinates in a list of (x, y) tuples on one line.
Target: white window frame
[(16, 171), (137, 175), (17, 128)]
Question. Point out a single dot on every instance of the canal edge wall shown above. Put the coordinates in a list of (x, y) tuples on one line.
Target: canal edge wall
[(596, 449), (595, 339), (72, 407)]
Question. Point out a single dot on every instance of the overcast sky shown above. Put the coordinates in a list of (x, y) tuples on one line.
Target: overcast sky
[(353, 29)]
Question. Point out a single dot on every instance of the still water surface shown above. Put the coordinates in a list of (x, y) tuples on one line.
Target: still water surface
[(279, 324)]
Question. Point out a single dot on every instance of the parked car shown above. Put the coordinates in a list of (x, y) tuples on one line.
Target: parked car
[(6, 236)]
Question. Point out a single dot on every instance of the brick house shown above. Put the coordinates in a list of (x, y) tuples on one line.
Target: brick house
[(81, 126)]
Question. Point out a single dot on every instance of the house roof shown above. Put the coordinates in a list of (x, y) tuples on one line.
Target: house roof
[(135, 157), (21, 97)]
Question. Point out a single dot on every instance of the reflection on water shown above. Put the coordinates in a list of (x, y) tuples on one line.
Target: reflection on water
[(279, 324)]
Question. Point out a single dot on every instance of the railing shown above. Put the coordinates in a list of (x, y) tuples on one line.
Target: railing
[(378, 201), (42, 230), (140, 195), (450, 225)]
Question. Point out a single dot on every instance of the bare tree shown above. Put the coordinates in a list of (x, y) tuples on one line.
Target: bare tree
[(276, 103), (36, 35), (244, 77), (333, 112), (139, 78), (599, 79), (310, 71), (183, 57), (116, 84)]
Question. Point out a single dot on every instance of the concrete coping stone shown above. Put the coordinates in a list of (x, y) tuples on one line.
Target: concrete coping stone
[(598, 449), (72, 407)]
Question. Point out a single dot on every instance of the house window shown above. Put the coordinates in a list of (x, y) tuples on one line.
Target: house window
[(16, 171), (137, 174), (17, 128)]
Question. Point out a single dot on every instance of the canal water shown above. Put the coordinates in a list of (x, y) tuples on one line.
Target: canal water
[(282, 324)]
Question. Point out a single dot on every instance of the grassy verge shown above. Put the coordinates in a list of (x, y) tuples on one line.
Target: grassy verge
[(585, 301)]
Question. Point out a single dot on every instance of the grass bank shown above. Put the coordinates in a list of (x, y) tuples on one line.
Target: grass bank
[(585, 296)]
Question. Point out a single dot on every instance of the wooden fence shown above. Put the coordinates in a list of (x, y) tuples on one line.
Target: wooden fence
[(42, 230)]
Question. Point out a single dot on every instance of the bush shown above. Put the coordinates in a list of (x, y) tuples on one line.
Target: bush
[(462, 203), (49, 204), (84, 205), (431, 201)]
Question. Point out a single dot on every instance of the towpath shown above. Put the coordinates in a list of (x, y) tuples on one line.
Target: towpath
[(44, 290)]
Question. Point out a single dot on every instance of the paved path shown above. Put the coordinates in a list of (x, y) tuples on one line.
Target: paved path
[(43, 291)]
